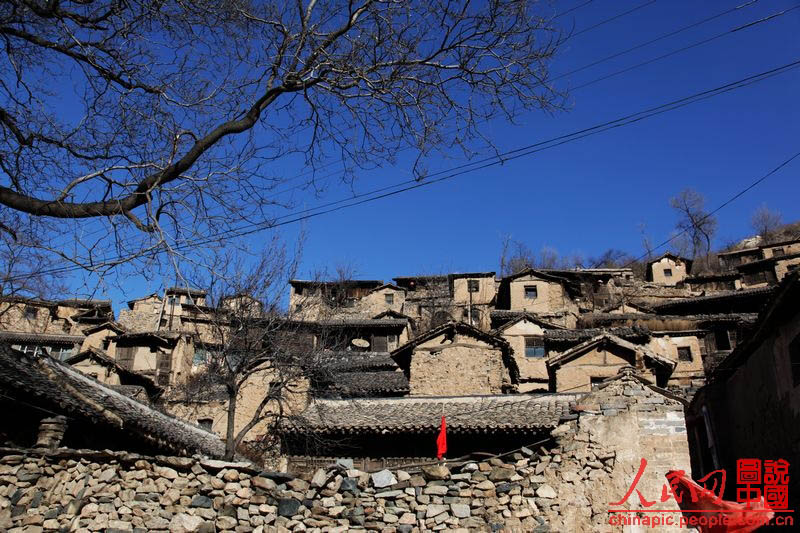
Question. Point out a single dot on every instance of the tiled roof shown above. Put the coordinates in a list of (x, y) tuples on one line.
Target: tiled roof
[(54, 338), (356, 384), (605, 338), (757, 296), (354, 361), (364, 322), (457, 327), (525, 316), (56, 387), (464, 414), (580, 335)]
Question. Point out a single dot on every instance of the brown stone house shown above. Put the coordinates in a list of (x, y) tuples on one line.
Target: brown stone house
[(56, 327), (768, 271), (526, 336), (551, 297), (750, 409), (88, 414), (732, 259), (457, 359), (718, 282), (668, 269), (98, 365), (588, 364), (313, 300), (155, 312)]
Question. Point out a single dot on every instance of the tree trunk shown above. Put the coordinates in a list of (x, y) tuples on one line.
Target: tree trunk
[(230, 441)]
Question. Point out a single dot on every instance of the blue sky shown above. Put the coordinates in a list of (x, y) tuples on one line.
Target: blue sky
[(593, 194)]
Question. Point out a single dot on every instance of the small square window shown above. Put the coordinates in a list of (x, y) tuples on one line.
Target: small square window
[(596, 381), (31, 313), (684, 353), (298, 290), (667, 272), (298, 308), (389, 298), (473, 285), (778, 252), (534, 347), (205, 423), (531, 293)]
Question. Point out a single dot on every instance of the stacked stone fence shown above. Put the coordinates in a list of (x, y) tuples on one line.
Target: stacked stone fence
[(565, 486)]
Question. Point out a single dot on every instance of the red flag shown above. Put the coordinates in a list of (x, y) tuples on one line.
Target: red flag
[(441, 441), (740, 517)]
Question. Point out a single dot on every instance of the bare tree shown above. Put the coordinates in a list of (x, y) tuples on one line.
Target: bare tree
[(260, 355), (766, 223), (516, 256), (694, 221), (163, 120)]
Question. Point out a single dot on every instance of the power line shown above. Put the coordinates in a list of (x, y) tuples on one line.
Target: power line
[(592, 64), (720, 207), (615, 17), (460, 170)]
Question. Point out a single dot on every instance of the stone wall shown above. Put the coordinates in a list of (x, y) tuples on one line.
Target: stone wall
[(463, 366), (563, 484)]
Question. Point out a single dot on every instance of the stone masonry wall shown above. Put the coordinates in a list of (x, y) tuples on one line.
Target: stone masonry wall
[(565, 484)]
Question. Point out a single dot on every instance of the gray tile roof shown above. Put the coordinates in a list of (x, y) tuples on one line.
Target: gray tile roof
[(56, 387), (54, 338), (464, 414), (358, 384)]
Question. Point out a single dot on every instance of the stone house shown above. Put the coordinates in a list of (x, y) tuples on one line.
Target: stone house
[(588, 364), (768, 271), (732, 259), (526, 336), (474, 295), (313, 300), (56, 327), (545, 295), (750, 409), (719, 282), (80, 412), (668, 269), (154, 312), (96, 364), (457, 359)]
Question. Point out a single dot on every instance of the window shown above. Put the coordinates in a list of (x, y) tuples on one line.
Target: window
[(794, 360), (31, 313), (125, 356), (531, 293), (534, 347), (61, 353), (667, 272), (389, 297), (723, 342), (379, 343), (298, 290), (392, 341), (473, 285), (298, 308), (778, 252), (205, 423), (596, 381), (30, 349), (684, 353), (476, 316), (172, 301)]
